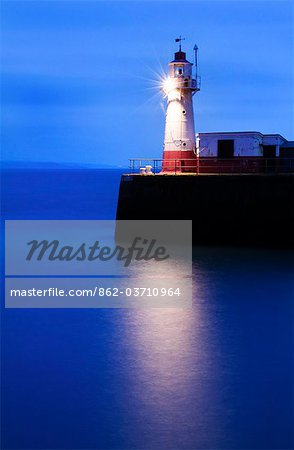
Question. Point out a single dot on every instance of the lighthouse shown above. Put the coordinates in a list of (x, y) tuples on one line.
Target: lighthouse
[(179, 139), (225, 210)]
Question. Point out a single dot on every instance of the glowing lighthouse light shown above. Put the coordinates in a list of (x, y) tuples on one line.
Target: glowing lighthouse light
[(179, 88), (168, 85)]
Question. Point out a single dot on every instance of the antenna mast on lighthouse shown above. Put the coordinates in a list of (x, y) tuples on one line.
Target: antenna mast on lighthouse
[(197, 78)]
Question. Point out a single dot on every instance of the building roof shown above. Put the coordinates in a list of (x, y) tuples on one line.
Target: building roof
[(231, 132), (245, 132)]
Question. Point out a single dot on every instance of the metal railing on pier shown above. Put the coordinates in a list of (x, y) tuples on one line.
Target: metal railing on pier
[(211, 165), (136, 164)]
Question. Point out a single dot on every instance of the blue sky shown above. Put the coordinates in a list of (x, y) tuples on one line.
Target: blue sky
[(79, 77)]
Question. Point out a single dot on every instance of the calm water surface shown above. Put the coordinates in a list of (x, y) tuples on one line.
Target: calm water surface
[(218, 376)]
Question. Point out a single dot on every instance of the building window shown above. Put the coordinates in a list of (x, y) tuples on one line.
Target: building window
[(225, 148), (269, 151)]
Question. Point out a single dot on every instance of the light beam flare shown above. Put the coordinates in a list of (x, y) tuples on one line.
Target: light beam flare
[(168, 85)]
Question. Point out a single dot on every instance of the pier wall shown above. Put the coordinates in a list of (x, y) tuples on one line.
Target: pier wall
[(247, 210)]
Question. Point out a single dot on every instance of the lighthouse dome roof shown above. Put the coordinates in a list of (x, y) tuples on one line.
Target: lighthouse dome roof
[(180, 57)]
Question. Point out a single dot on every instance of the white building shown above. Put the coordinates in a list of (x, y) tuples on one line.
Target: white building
[(226, 145)]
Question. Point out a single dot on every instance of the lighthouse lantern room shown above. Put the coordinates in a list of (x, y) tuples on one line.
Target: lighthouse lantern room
[(179, 88)]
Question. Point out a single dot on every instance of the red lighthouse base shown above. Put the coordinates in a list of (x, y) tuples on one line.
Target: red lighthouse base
[(180, 161)]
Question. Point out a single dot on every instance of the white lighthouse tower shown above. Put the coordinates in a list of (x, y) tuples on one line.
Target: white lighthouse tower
[(179, 139)]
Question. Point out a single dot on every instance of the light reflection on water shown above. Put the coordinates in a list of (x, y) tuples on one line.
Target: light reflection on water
[(174, 373)]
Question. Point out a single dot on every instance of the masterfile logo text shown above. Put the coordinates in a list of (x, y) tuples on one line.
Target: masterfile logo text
[(139, 249), (98, 264)]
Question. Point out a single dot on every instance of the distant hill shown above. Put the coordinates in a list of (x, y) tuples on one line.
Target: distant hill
[(52, 165)]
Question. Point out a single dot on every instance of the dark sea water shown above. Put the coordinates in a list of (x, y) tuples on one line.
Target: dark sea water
[(219, 376)]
